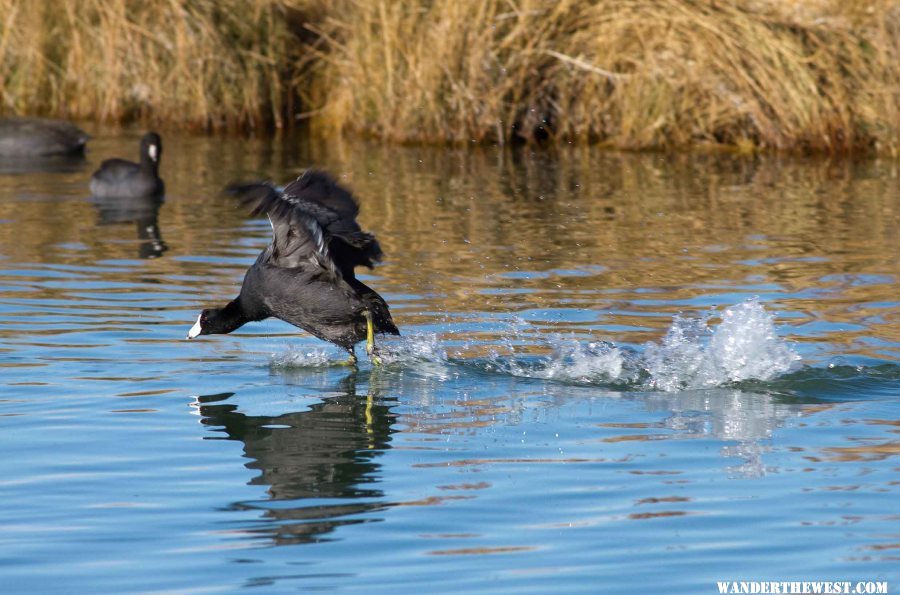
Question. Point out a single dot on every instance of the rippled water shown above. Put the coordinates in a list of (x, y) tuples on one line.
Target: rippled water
[(634, 373)]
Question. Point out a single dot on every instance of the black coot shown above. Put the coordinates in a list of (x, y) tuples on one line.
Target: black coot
[(305, 276), (38, 137), (120, 178)]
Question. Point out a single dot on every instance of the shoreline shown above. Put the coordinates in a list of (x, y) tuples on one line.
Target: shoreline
[(800, 77)]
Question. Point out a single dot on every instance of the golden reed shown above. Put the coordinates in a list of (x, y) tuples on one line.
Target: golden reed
[(801, 75)]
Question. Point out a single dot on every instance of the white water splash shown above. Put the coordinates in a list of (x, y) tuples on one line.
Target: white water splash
[(418, 347), (414, 348), (574, 361), (571, 361), (744, 346), (302, 358), (692, 355)]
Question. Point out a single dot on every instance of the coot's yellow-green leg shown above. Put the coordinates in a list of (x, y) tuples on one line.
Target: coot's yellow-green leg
[(370, 423), (370, 339), (350, 361)]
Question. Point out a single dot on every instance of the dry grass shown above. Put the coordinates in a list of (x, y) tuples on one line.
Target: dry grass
[(808, 75), (628, 73), (206, 63)]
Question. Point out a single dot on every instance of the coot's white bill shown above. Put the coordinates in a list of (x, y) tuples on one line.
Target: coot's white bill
[(195, 330)]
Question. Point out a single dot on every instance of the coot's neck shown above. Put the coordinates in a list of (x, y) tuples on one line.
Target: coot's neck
[(148, 164), (229, 318)]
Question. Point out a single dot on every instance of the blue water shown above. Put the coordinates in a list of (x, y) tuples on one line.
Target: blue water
[(620, 373)]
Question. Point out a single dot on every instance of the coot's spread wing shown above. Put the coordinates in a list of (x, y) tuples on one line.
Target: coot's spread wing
[(313, 221)]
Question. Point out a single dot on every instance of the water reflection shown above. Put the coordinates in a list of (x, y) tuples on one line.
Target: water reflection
[(314, 457), (143, 211), (573, 246), (630, 238), (660, 231), (42, 164), (744, 421)]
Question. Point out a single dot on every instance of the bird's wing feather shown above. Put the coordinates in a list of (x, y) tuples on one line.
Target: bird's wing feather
[(321, 195), (313, 221)]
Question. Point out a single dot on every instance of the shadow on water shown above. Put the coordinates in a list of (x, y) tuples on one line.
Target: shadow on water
[(42, 165), (143, 211), (327, 452)]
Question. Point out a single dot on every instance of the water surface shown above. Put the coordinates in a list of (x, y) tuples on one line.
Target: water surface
[(635, 373)]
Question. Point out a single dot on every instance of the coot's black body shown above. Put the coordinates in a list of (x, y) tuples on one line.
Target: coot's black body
[(306, 275), (40, 137), (118, 178)]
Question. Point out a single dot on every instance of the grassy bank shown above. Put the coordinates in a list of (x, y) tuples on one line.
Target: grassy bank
[(817, 75), (203, 63)]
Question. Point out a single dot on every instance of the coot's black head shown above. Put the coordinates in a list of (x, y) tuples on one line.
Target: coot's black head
[(208, 323), (219, 321), (151, 147)]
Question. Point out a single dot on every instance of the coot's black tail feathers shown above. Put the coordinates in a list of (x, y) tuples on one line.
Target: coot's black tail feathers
[(357, 246), (386, 326), (368, 246), (381, 314), (382, 318)]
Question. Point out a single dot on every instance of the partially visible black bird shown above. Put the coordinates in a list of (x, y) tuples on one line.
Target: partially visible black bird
[(306, 275), (33, 137), (118, 178)]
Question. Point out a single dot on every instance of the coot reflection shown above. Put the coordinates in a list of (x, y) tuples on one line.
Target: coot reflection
[(143, 211), (327, 452)]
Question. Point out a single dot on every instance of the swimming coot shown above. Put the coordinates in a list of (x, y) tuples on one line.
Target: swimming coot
[(38, 137), (305, 276), (120, 178)]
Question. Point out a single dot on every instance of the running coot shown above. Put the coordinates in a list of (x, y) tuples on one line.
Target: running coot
[(306, 275)]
